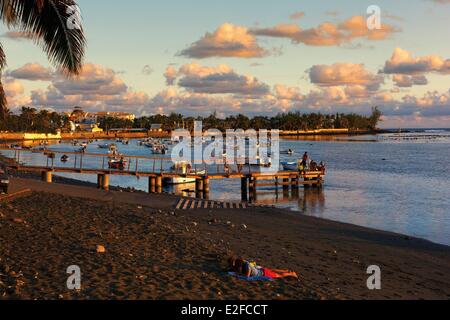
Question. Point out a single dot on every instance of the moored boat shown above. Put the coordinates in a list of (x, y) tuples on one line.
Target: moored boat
[(185, 169), (289, 166)]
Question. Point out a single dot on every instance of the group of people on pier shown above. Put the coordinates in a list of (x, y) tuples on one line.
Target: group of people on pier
[(307, 164)]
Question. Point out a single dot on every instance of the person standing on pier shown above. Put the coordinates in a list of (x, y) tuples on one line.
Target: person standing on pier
[(305, 160)]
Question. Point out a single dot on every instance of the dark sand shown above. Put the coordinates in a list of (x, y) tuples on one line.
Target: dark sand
[(155, 252)]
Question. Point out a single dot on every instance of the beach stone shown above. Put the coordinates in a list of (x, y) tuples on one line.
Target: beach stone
[(213, 221), (156, 269), (101, 249)]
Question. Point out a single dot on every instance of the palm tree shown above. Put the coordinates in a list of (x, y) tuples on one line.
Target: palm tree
[(48, 24)]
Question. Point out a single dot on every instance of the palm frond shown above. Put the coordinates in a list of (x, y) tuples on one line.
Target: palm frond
[(3, 103), (47, 22), (2, 58)]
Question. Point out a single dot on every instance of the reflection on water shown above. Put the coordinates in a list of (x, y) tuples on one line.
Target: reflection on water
[(311, 201), (393, 182)]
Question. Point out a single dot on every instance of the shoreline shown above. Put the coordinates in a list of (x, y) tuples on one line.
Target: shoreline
[(156, 252), (16, 137), (114, 188), (68, 182)]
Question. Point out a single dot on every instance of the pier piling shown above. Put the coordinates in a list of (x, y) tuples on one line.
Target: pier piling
[(244, 188), (47, 176), (159, 184), (105, 182), (151, 184), (99, 181)]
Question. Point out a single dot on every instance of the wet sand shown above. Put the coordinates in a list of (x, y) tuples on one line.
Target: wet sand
[(156, 252)]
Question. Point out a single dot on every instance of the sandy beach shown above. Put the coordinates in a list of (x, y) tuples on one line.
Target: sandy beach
[(156, 252)]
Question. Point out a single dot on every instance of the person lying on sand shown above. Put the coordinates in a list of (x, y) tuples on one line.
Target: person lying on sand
[(251, 269)]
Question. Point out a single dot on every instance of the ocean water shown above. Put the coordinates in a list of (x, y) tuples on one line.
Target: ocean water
[(391, 182)]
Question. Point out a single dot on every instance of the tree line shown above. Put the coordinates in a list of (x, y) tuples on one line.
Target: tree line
[(292, 121), (43, 121), (33, 121)]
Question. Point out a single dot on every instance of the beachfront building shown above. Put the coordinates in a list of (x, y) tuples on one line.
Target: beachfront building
[(116, 115), (81, 121), (90, 121), (156, 128)]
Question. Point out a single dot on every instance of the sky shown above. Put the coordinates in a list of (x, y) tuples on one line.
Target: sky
[(251, 57)]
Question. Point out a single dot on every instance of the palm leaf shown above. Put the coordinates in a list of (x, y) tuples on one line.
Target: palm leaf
[(47, 23), (3, 102)]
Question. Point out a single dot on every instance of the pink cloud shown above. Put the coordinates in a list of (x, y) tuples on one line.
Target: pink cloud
[(227, 41)]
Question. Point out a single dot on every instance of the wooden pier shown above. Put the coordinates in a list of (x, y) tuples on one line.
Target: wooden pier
[(251, 181)]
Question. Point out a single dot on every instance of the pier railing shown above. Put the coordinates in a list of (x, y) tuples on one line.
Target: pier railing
[(158, 170)]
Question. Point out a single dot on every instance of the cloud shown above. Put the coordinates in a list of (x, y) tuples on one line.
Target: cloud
[(219, 80), (147, 70), (14, 91), (297, 15), (227, 41), (32, 72), (96, 88), (93, 79), (170, 75), (13, 88), (405, 81), (345, 74), (328, 33), (17, 35), (402, 62)]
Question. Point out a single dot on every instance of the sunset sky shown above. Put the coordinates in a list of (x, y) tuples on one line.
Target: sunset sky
[(248, 56)]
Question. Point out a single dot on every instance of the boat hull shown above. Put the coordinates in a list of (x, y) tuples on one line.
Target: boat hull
[(289, 166)]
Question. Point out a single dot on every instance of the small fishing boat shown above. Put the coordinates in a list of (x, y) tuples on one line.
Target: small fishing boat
[(81, 150), (289, 152), (183, 168), (65, 158), (289, 166), (117, 163), (259, 163), (39, 150), (104, 146), (159, 149)]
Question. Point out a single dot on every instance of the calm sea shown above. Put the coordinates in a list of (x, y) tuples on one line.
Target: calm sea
[(392, 182)]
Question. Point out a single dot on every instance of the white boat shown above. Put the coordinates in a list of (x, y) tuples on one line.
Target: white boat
[(289, 152), (259, 163), (289, 166), (183, 168), (159, 149), (117, 163)]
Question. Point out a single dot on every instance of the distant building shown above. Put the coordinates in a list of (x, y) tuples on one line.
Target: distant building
[(83, 121), (88, 127), (156, 128), (80, 116), (116, 115)]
